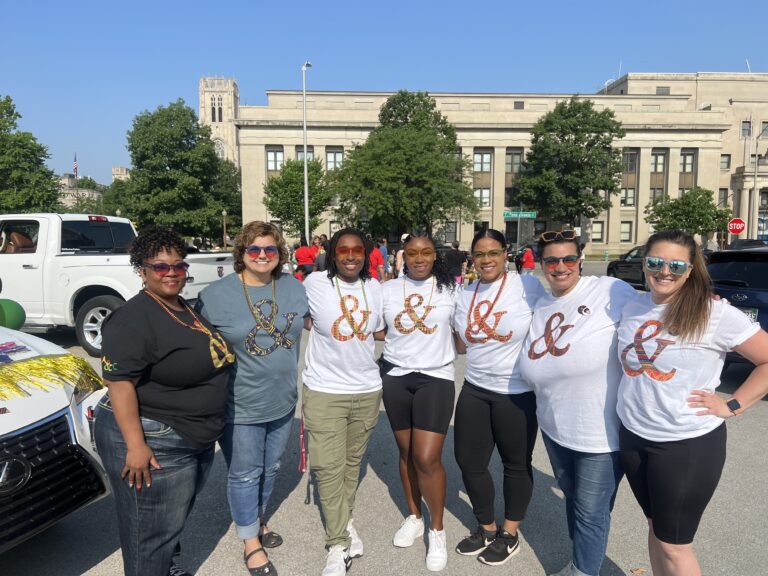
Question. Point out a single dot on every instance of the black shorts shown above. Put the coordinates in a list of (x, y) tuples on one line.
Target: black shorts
[(674, 481), (420, 401)]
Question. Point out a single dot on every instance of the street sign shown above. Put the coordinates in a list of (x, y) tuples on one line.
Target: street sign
[(736, 226), (513, 215)]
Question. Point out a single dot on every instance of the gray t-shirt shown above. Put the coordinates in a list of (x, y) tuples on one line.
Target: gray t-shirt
[(263, 382)]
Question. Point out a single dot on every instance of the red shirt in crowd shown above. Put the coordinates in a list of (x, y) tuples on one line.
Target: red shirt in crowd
[(528, 260), (376, 260), (304, 255)]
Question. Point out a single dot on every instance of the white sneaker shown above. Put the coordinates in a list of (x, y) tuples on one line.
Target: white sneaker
[(409, 530), (356, 547), (437, 555), (338, 561), (566, 571)]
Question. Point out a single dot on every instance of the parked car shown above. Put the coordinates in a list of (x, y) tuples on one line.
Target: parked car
[(48, 463), (742, 243), (629, 267), (741, 276)]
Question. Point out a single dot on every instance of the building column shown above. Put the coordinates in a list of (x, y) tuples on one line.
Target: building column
[(673, 174)]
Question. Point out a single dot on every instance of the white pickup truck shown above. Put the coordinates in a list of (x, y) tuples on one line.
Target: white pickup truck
[(74, 270)]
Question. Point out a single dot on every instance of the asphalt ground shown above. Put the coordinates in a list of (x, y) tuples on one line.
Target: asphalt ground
[(731, 539)]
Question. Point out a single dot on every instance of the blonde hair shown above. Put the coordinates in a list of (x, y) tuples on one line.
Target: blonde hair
[(259, 229)]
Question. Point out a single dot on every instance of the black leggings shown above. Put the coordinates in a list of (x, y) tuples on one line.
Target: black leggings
[(485, 419), (674, 481)]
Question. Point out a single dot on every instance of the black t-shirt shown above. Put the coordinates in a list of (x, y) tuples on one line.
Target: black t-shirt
[(454, 259), (178, 384)]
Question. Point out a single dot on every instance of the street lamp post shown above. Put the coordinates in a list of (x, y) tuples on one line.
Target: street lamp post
[(307, 64), (224, 243)]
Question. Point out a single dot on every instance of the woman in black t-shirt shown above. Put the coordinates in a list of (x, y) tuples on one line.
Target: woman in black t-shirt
[(166, 370)]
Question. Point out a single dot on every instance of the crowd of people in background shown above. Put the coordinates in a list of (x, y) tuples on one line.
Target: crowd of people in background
[(573, 361)]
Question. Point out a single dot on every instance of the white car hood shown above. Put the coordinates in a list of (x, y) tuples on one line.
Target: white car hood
[(37, 402)]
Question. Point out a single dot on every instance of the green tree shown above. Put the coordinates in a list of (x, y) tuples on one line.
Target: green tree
[(407, 172), (176, 178), (88, 183), (26, 184), (84, 204), (572, 163), (116, 198), (695, 212), (284, 195)]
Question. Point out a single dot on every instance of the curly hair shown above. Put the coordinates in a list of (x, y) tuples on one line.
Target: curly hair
[(259, 229), (333, 269), (153, 240), (443, 278)]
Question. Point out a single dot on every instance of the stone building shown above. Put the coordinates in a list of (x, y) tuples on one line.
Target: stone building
[(682, 130)]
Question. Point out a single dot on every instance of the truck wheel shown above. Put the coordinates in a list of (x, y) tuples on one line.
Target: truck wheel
[(89, 320)]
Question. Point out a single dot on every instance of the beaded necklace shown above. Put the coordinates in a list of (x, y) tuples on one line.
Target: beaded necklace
[(273, 312), (347, 314), (493, 304), (220, 354), (431, 291)]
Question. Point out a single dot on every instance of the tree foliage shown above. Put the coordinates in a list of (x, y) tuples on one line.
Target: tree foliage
[(572, 163), (88, 183), (695, 212), (26, 184), (407, 172), (284, 195)]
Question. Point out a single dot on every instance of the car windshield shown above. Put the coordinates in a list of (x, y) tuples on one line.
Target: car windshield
[(743, 270)]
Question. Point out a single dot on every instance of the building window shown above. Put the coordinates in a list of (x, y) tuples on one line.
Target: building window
[(274, 158), (627, 196), (752, 159), (213, 108), (334, 156), (539, 227), (220, 109), (725, 161), (483, 197), (220, 150), (481, 225), (597, 231), (722, 197), (687, 162), (625, 232), (763, 128), (482, 162), (662, 90), (510, 197), (763, 200), (449, 232), (514, 162), (630, 162), (746, 128), (657, 161), (519, 105), (300, 153), (681, 191), (657, 194)]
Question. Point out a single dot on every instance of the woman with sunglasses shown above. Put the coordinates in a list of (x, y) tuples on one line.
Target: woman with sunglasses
[(672, 346), (570, 360), (260, 311), (496, 407), (342, 386), (417, 373), (166, 371)]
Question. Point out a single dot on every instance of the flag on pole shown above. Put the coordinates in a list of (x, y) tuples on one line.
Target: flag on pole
[(74, 169)]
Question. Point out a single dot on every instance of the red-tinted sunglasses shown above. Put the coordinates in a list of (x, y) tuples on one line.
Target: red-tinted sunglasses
[(270, 252), (345, 251), (161, 268)]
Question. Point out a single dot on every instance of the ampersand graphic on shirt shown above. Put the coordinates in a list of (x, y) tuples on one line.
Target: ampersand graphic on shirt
[(266, 322), (479, 323), (647, 363), (358, 330), (552, 333), (418, 321)]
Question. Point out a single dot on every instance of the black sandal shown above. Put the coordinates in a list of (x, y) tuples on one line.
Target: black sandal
[(270, 539), (267, 569)]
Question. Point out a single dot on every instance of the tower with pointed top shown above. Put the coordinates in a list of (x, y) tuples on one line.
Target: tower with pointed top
[(219, 108)]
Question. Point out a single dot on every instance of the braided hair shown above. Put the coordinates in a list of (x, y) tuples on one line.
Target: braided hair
[(443, 278)]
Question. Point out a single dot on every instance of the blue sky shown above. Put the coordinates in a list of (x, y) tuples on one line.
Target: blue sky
[(80, 71)]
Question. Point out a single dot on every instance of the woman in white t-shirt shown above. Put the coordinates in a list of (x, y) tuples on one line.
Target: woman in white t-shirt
[(570, 360), (496, 407), (417, 374), (672, 346), (342, 386)]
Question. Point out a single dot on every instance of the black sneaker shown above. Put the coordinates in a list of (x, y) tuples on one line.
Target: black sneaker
[(476, 542), (500, 550), (176, 571)]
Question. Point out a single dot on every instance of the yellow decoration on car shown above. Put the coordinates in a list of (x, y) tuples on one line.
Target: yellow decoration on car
[(20, 378)]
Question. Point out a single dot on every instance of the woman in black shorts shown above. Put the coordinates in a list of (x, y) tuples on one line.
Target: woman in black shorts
[(672, 345), (417, 374)]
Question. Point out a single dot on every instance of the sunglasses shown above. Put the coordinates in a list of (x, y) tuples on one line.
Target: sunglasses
[(347, 251), (425, 253), (161, 268), (270, 252), (551, 262), (553, 235), (676, 267), (495, 253)]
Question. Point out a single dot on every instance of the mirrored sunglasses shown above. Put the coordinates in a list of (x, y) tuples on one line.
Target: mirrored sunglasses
[(551, 262), (270, 252), (676, 267), (161, 268)]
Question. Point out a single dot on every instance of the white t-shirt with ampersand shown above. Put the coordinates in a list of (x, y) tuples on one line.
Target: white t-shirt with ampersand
[(661, 370), (494, 335), (419, 335), (340, 353), (570, 360)]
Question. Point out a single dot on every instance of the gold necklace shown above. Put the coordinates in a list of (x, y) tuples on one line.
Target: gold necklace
[(431, 291), (493, 304), (220, 354), (347, 314)]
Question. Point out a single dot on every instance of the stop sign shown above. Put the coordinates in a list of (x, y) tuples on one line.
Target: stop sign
[(736, 226)]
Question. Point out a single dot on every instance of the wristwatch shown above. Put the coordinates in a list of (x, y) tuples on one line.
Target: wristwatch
[(733, 405)]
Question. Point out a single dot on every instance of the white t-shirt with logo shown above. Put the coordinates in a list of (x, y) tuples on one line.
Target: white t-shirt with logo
[(654, 390), (340, 357), (570, 360), (419, 335), (494, 335)]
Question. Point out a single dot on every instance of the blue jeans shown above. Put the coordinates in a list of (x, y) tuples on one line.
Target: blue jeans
[(589, 482), (253, 453), (150, 521)]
